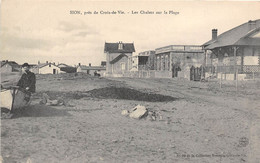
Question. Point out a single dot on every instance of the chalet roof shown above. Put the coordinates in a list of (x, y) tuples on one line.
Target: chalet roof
[(92, 67), (249, 39), (113, 48), (63, 64), (240, 35), (118, 58), (11, 63)]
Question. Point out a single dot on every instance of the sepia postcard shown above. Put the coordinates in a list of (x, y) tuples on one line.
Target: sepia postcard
[(130, 81)]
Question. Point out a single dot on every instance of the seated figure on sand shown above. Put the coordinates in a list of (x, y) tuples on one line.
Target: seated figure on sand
[(27, 81)]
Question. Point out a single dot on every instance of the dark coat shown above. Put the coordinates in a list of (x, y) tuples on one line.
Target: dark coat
[(28, 80)]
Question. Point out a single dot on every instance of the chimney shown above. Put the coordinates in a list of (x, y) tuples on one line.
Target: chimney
[(54, 63), (89, 64), (46, 61), (251, 25), (214, 34), (79, 64), (39, 62), (120, 45)]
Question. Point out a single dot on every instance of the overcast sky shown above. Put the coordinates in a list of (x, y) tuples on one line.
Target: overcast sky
[(38, 30)]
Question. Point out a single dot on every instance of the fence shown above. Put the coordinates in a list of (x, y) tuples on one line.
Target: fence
[(245, 72), (143, 74)]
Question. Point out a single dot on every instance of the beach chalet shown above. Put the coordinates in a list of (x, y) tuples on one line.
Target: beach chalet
[(9, 66), (46, 68), (176, 60), (91, 69), (146, 60), (118, 56), (236, 51)]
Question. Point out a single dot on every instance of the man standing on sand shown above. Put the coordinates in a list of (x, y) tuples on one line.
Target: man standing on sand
[(28, 80)]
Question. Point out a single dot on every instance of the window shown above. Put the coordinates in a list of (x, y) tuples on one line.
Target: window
[(123, 66), (120, 46), (162, 63)]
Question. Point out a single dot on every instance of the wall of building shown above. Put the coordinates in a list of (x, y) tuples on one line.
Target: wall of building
[(248, 51), (6, 68), (133, 63), (184, 73), (48, 69), (251, 60), (152, 61), (120, 66), (165, 61), (115, 68), (193, 59), (147, 60), (252, 56)]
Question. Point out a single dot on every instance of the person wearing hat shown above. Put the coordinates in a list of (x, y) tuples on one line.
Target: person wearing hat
[(28, 79)]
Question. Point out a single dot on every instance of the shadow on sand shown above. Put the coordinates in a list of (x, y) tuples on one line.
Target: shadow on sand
[(128, 94), (38, 110)]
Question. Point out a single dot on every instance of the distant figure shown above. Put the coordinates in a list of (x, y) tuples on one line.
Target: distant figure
[(175, 69), (96, 74), (28, 80)]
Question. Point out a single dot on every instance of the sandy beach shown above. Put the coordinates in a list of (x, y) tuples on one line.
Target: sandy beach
[(199, 122)]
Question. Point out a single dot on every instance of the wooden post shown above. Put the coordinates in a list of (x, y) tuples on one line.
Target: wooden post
[(236, 79), (235, 62), (164, 62), (205, 64), (221, 80), (160, 62), (242, 60), (170, 58), (225, 73)]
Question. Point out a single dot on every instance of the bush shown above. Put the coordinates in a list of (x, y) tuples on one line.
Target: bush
[(68, 69)]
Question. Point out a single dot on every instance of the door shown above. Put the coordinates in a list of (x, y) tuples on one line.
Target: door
[(54, 71), (195, 73), (175, 69)]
